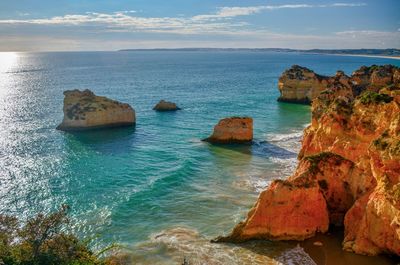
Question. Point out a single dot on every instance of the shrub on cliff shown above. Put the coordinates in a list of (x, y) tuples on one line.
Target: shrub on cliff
[(41, 241), (373, 97)]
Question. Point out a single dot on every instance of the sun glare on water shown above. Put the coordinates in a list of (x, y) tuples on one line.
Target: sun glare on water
[(7, 61)]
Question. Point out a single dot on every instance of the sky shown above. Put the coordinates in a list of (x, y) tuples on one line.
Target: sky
[(91, 25)]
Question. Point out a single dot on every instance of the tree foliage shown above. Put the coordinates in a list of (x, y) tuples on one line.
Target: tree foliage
[(42, 241)]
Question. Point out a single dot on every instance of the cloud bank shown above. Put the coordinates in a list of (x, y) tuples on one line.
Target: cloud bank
[(223, 28)]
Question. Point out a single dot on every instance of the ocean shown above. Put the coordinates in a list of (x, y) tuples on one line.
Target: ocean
[(156, 189)]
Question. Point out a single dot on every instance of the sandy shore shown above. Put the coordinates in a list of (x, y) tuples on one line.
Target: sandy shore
[(365, 55)]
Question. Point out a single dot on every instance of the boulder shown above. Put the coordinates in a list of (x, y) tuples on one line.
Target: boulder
[(84, 110), (165, 106), (232, 130)]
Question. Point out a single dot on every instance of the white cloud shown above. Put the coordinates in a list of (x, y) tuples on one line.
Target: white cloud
[(119, 30), (369, 33), (229, 12), (348, 4), (128, 21), (126, 18)]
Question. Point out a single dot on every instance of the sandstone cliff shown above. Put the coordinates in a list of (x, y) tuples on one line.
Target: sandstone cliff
[(348, 172), (84, 110), (301, 85)]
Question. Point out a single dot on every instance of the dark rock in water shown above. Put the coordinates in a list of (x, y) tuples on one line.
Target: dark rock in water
[(84, 110), (166, 106)]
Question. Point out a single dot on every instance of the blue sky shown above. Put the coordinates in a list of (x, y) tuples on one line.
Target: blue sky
[(50, 25)]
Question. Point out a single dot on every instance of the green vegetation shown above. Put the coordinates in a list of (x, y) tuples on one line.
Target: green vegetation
[(373, 97), (373, 68), (42, 241), (343, 107)]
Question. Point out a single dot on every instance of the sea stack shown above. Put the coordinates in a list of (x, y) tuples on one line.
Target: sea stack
[(84, 110), (300, 85), (232, 130), (348, 172), (163, 105)]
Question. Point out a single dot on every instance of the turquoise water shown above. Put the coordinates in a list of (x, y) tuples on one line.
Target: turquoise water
[(127, 185)]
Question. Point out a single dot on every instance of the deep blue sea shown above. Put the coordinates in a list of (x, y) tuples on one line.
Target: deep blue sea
[(156, 189)]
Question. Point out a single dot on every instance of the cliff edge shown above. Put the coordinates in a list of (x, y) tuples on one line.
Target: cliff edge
[(301, 85), (348, 172)]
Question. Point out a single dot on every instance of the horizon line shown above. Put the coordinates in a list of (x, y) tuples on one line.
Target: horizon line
[(214, 48)]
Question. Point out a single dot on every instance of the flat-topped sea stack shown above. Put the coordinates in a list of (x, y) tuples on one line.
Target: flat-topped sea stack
[(166, 106), (84, 110), (348, 172), (232, 130), (301, 85)]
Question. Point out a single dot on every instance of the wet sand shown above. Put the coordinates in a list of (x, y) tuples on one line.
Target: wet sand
[(331, 253)]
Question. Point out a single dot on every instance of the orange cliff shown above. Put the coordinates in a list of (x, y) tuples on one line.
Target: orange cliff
[(348, 172)]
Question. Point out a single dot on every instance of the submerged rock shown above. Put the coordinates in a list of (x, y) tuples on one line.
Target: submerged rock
[(84, 110), (166, 106), (232, 130), (348, 173)]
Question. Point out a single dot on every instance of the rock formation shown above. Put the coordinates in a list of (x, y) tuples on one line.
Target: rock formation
[(348, 172), (301, 85), (232, 130), (166, 106), (84, 110)]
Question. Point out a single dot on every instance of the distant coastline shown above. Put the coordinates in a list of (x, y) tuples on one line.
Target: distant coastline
[(370, 56), (377, 53)]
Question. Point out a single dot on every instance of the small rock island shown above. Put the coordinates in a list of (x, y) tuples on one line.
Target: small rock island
[(84, 110), (349, 165), (163, 105), (232, 130)]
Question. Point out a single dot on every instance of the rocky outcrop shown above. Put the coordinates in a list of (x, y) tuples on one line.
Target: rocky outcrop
[(84, 110), (285, 211), (232, 130), (165, 106), (301, 85), (348, 172)]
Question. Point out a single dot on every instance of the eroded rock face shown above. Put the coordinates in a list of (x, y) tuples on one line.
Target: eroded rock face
[(301, 85), (84, 110), (232, 130), (350, 157), (165, 106), (285, 211)]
